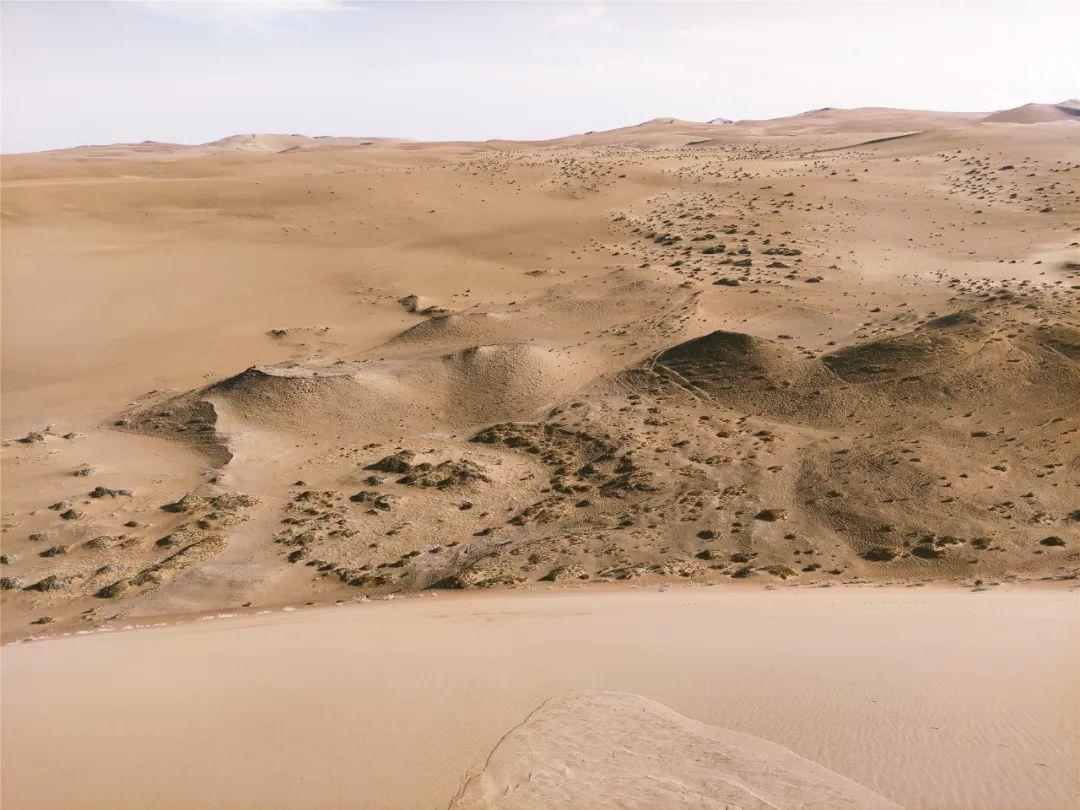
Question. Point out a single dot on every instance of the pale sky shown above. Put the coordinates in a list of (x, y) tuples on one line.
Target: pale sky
[(102, 72)]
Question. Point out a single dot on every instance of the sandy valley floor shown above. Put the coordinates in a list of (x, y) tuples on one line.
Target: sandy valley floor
[(835, 349)]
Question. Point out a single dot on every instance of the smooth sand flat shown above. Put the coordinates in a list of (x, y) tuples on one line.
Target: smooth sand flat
[(929, 698)]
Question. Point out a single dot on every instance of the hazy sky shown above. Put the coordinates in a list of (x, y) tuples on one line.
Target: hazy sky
[(101, 72)]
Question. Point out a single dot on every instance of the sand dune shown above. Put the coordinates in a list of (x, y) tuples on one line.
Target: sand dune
[(830, 120), (1037, 113)]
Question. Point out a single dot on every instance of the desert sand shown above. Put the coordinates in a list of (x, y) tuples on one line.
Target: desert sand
[(850, 696), (838, 348)]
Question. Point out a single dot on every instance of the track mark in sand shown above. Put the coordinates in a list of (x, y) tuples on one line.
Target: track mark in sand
[(863, 143), (679, 380), (616, 750)]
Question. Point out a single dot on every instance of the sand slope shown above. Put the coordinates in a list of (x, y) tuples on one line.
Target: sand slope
[(934, 698), (1037, 113), (610, 749)]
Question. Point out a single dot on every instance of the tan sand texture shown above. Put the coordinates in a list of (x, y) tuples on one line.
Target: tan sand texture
[(611, 749), (930, 697)]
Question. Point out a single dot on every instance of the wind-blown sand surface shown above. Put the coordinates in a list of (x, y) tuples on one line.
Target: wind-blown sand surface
[(929, 698), (612, 749)]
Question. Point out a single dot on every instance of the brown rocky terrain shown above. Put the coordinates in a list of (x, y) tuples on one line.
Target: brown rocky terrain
[(836, 347)]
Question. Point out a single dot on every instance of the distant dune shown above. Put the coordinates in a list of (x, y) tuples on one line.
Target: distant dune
[(862, 119), (823, 121), (1037, 113)]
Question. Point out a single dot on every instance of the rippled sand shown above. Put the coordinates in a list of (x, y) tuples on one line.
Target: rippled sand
[(616, 750), (931, 698)]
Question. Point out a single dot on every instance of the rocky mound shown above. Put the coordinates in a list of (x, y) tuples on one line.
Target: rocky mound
[(188, 418), (508, 381), (459, 390), (948, 341), (741, 372), (446, 331), (958, 359)]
